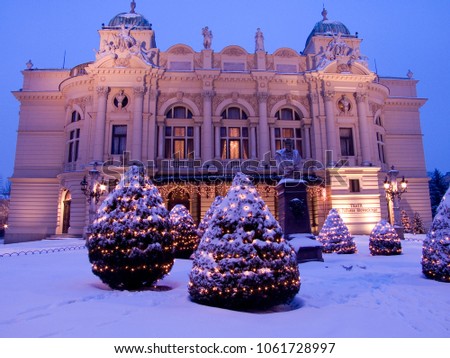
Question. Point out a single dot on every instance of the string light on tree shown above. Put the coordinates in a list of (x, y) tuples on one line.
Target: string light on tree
[(405, 222), (436, 246), (204, 223), (384, 240), (184, 231), (335, 235), (418, 224), (131, 245), (243, 260)]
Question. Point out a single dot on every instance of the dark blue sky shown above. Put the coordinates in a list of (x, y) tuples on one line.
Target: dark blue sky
[(399, 35)]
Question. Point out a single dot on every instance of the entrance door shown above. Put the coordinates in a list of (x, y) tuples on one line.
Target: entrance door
[(178, 197), (66, 213)]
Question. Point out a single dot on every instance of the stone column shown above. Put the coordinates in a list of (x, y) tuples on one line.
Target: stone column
[(307, 137), (160, 120), (136, 148), (263, 140), (100, 121), (196, 140), (253, 141), (152, 125), (207, 131), (330, 126), (273, 146), (363, 128), (217, 141)]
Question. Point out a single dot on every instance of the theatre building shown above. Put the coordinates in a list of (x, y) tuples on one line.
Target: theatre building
[(193, 118)]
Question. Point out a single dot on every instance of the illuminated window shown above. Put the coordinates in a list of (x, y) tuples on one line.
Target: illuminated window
[(119, 139), (74, 143), (346, 140), (292, 133), (179, 142), (234, 142), (287, 126)]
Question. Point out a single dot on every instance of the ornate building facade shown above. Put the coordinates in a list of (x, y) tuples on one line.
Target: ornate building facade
[(195, 118)]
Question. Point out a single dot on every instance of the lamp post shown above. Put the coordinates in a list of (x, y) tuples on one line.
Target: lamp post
[(93, 190), (394, 191)]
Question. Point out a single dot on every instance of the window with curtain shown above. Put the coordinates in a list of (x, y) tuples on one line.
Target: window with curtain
[(179, 142)]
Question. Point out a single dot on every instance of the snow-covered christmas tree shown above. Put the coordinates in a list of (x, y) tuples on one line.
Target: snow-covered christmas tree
[(418, 224), (335, 235), (406, 222), (184, 231), (383, 240), (243, 260), (131, 245), (436, 246), (204, 223)]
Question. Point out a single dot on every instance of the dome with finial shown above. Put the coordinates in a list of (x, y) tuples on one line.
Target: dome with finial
[(130, 19), (327, 27)]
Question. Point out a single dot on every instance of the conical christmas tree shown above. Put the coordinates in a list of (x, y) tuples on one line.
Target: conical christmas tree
[(204, 223), (243, 260), (131, 245), (405, 222), (436, 246), (184, 231), (383, 240), (418, 224), (335, 235)]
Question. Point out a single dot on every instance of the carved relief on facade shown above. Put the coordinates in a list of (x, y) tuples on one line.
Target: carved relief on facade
[(375, 107), (286, 53), (234, 51), (344, 105)]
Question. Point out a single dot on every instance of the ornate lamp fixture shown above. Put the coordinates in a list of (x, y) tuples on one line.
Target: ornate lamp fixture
[(93, 190), (394, 191)]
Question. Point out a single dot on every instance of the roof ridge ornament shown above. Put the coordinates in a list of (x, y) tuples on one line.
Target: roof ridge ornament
[(133, 6), (324, 13)]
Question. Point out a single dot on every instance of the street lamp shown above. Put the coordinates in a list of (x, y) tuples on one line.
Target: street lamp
[(93, 190), (394, 191)]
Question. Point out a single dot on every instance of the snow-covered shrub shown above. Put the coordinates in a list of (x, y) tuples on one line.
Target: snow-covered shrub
[(243, 260), (436, 246), (131, 245), (184, 231), (204, 223), (335, 235), (383, 240)]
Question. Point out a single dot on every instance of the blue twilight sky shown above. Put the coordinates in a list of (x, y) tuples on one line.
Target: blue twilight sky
[(398, 35)]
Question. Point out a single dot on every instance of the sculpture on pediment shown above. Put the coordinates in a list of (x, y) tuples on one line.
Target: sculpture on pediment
[(207, 37), (259, 40)]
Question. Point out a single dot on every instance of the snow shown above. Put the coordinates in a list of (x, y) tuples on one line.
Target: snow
[(56, 295)]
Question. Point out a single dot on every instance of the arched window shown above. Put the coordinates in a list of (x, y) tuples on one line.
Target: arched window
[(179, 112), (378, 121), (234, 135), (288, 114), (76, 116), (287, 126), (234, 113)]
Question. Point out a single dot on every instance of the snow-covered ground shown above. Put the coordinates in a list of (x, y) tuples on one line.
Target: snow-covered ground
[(56, 295)]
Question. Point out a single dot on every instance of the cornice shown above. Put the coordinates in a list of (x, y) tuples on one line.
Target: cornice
[(38, 96), (405, 101)]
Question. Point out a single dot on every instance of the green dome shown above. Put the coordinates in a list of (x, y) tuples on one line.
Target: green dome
[(130, 20), (327, 27)]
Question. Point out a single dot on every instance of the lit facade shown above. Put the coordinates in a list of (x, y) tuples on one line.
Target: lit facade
[(195, 118)]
